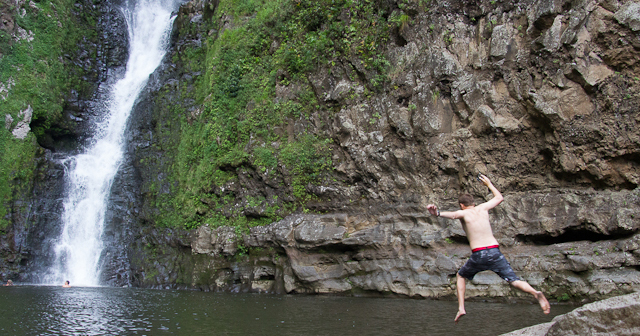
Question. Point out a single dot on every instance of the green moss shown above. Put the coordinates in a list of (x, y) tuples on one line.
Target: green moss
[(151, 274), (563, 297), (36, 75), (16, 171), (241, 127)]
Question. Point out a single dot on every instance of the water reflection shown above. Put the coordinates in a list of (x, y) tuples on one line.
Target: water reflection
[(26, 310), (92, 311)]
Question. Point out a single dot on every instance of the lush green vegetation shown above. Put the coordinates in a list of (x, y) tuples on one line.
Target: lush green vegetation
[(33, 71), (243, 126)]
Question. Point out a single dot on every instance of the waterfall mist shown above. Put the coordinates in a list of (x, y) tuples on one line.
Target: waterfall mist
[(89, 175)]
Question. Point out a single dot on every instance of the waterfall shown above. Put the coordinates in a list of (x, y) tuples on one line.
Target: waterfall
[(91, 174)]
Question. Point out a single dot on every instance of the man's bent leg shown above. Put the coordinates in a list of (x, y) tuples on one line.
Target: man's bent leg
[(525, 287), (460, 289)]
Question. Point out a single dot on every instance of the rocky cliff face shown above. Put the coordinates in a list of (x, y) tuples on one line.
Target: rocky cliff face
[(35, 214), (541, 96)]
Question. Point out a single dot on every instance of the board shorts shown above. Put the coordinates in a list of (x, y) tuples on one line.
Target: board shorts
[(488, 259)]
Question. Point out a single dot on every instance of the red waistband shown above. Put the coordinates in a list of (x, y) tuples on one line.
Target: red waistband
[(484, 248)]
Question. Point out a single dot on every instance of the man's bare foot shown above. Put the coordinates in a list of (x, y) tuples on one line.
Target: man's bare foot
[(460, 314), (544, 304)]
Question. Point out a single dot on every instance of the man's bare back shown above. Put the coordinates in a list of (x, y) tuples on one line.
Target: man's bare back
[(475, 218), (475, 223)]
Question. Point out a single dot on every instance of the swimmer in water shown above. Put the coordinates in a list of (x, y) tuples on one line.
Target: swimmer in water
[(66, 284)]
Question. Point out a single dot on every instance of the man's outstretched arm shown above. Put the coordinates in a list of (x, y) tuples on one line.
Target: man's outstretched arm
[(433, 209), (497, 196)]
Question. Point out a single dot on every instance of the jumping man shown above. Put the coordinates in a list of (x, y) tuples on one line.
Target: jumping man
[(484, 247)]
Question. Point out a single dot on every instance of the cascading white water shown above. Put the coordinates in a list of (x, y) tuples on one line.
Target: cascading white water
[(91, 174)]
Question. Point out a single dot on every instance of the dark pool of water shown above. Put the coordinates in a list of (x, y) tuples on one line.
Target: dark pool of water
[(31, 310)]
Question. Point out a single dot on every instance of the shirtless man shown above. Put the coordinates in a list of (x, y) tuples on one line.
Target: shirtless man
[(485, 252)]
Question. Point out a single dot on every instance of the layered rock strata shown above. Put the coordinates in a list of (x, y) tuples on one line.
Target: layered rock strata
[(580, 246)]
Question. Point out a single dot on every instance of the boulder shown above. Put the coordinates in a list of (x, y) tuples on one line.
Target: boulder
[(615, 316), (629, 15)]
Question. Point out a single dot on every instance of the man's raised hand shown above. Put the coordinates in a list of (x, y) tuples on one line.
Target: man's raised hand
[(433, 209), (484, 179)]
